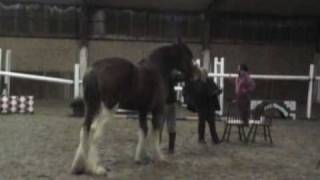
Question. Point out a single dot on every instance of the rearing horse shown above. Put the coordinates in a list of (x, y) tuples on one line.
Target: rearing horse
[(143, 87)]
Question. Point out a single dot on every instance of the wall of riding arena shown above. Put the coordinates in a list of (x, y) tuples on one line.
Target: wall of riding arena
[(40, 56), (268, 59), (56, 58), (131, 50)]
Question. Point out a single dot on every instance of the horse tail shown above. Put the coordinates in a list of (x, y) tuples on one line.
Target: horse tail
[(92, 97)]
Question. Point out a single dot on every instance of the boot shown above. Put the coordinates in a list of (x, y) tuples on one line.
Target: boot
[(213, 132), (201, 131), (172, 140)]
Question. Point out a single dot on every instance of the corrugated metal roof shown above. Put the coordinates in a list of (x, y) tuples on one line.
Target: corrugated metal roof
[(267, 7), (62, 2)]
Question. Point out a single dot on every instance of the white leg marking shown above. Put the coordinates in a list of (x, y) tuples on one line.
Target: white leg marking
[(80, 159), (97, 129), (156, 140), (140, 145)]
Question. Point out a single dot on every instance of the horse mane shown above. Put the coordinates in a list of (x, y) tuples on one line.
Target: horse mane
[(162, 59)]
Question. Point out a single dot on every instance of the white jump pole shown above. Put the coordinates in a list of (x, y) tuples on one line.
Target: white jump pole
[(266, 77), (76, 81), (309, 101), (7, 69), (36, 77)]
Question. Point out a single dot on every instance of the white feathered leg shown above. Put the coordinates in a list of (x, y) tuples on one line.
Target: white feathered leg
[(96, 131), (156, 140), (80, 159), (140, 145)]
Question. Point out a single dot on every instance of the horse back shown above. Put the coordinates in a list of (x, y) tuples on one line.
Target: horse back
[(133, 87), (114, 77)]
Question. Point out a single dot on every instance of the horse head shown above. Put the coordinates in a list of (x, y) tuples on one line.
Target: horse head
[(184, 59)]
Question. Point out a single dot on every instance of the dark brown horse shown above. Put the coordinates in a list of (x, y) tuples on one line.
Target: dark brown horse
[(143, 87)]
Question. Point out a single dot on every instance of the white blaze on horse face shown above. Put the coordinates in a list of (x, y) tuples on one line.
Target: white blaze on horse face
[(137, 157)]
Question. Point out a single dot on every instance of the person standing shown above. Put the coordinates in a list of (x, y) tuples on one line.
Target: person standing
[(244, 86), (201, 96), (170, 111)]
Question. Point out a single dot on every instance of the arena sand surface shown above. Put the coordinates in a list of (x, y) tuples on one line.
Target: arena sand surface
[(42, 146)]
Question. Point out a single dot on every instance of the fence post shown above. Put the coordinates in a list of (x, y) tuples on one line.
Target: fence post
[(206, 59), (0, 70), (222, 85), (215, 69), (218, 68), (309, 100), (76, 81), (7, 69), (83, 61)]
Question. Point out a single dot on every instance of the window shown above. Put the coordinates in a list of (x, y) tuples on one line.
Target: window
[(38, 20)]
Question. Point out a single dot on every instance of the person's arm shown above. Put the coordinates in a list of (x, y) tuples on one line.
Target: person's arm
[(252, 85), (188, 96), (237, 87)]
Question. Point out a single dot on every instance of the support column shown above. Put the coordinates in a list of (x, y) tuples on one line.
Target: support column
[(76, 82), (206, 45), (206, 60), (98, 20), (7, 79), (83, 63), (84, 41), (317, 73), (0, 70)]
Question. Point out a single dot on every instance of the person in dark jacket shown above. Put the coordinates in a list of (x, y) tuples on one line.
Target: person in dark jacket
[(201, 96)]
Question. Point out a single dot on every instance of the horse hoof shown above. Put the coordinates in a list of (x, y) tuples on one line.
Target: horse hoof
[(160, 161), (78, 167), (138, 162), (159, 158), (100, 171), (77, 171)]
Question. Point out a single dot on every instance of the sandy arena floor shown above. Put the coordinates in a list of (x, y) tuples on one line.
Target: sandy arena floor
[(42, 146)]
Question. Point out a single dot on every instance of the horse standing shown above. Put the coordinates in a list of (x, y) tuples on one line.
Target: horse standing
[(143, 87)]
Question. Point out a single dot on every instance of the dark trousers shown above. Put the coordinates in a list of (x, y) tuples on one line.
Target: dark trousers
[(205, 114), (243, 107)]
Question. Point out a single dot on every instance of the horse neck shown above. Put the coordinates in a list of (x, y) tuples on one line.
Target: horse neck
[(161, 67), (162, 60)]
